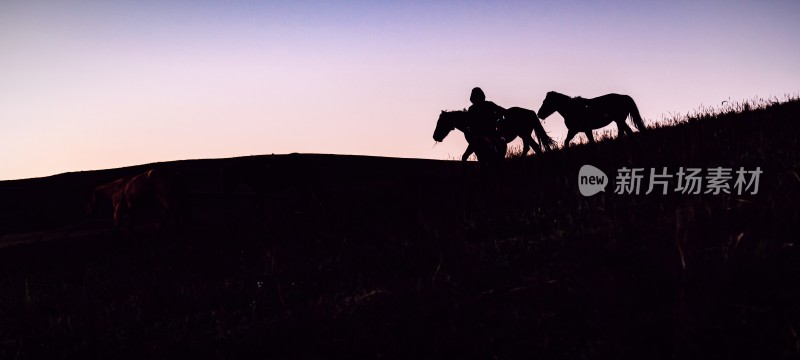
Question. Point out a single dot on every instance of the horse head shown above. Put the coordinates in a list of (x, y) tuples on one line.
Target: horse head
[(444, 126), (550, 104)]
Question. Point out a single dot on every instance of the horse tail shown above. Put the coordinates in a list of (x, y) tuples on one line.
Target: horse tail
[(637, 119), (544, 140)]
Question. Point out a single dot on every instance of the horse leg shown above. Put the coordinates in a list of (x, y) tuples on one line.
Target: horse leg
[(570, 134), (527, 142), (502, 150), (624, 128), (589, 136), (467, 153)]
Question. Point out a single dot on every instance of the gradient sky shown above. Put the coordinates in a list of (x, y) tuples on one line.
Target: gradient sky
[(99, 84)]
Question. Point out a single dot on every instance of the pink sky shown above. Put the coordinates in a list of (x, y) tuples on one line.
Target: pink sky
[(96, 85)]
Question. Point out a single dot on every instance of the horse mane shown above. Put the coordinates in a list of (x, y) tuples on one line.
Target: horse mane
[(557, 96)]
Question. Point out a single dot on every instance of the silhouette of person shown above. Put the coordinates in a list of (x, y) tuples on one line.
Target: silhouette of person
[(486, 114), (484, 120)]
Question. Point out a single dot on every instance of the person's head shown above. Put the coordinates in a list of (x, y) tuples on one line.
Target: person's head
[(477, 96)]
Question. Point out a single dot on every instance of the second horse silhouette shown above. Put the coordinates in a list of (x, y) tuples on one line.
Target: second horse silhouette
[(585, 115)]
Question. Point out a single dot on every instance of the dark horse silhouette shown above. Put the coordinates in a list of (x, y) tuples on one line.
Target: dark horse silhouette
[(585, 115), (517, 122), (133, 194)]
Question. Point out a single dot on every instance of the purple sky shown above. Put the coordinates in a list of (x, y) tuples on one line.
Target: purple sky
[(113, 83)]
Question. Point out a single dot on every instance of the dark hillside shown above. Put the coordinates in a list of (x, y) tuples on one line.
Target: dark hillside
[(327, 256)]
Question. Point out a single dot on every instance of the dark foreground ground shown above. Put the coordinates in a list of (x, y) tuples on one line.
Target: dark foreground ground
[(323, 256)]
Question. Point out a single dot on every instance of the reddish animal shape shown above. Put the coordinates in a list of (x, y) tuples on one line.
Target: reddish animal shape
[(132, 195)]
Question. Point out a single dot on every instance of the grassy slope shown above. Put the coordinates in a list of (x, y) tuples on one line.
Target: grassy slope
[(320, 256)]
